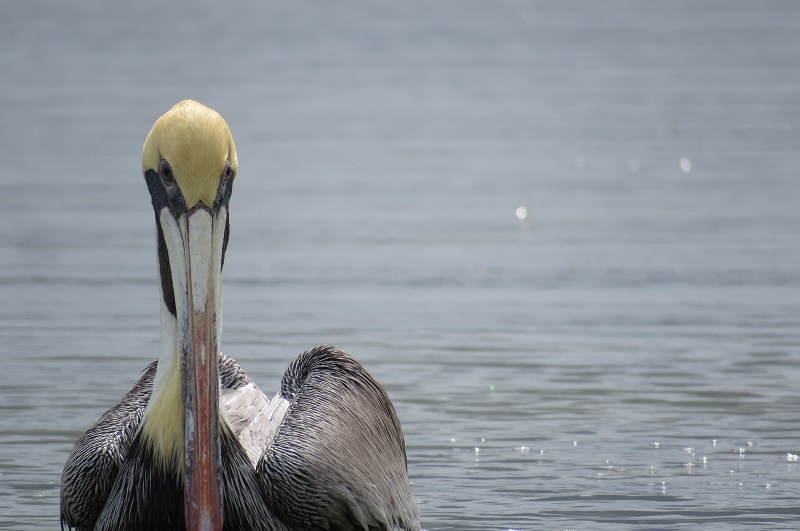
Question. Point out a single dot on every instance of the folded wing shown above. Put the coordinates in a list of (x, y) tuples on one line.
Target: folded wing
[(337, 458)]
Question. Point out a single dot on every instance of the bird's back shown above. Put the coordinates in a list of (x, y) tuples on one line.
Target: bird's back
[(326, 453)]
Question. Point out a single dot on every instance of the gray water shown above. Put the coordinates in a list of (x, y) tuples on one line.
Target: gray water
[(627, 356)]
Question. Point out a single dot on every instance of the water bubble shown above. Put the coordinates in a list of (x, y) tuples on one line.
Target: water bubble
[(686, 165), (522, 213)]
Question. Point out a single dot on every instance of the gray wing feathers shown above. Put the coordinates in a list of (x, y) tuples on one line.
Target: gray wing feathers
[(92, 467), (328, 448), (338, 458)]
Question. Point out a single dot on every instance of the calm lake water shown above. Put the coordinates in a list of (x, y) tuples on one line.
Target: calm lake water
[(625, 356)]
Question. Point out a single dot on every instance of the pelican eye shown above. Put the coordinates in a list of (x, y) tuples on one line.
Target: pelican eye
[(165, 172), (228, 170)]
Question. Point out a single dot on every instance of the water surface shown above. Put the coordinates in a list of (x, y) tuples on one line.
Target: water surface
[(626, 356)]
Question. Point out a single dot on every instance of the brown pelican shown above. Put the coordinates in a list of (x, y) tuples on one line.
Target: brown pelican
[(196, 444)]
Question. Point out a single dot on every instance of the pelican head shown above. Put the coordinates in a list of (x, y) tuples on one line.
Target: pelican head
[(189, 164)]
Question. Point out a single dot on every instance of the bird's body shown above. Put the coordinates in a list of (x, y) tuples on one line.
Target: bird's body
[(196, 444)]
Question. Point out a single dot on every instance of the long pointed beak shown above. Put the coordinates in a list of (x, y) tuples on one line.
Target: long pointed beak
[(202, 234)]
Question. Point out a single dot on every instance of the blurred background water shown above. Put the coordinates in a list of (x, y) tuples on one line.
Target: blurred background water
[(564, 235)]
